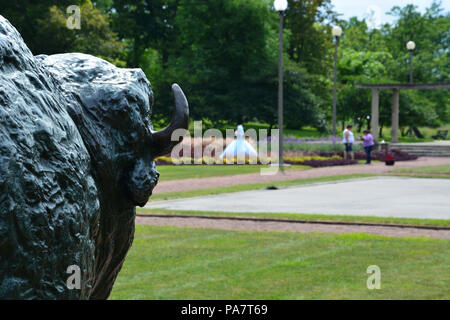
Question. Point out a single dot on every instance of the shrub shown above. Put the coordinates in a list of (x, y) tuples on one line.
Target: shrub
[(376, 155)]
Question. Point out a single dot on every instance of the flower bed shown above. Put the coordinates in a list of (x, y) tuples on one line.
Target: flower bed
[(313, 161), (308, 158), (329, 163)]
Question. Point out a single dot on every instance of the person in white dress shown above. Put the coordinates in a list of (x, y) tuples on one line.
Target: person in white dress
[(348, 140)]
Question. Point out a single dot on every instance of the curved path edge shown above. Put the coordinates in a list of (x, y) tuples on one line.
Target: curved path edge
[(294, 226)]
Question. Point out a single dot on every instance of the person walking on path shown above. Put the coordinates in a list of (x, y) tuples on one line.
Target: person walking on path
[(348, 141), (368, 145)]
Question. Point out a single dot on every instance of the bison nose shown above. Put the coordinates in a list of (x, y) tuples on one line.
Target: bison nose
[(141, 182)]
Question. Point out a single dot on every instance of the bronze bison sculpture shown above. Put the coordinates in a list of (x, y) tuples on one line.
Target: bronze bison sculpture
[(76, 158)]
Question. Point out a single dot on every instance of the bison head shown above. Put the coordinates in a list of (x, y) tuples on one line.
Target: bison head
[(112, 108)]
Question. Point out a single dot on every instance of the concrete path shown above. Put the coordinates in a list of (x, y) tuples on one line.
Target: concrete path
[(380, 196), (214, 182)]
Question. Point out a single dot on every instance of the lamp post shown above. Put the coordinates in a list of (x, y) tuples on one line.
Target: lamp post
[(337, 32), (280, 6), (410, 46)]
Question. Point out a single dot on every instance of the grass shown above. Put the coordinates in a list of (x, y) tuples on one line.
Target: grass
[(253, 186), (429, 132), (442, 169), (174, 172), (426, 131), (188, 263), (300, 217)]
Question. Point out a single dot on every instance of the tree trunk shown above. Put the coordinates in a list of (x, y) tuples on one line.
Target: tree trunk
[(270, 130), (165, 59), (136, 54), (402, 131), (418, 133), (360, 124)]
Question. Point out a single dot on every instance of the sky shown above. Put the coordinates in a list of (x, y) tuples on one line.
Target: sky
[(363, 8)]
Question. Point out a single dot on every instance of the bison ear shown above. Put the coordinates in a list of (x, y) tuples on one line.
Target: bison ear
[(162, 140)]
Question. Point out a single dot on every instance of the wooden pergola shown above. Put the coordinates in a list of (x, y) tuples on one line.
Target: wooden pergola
[(395, 102)]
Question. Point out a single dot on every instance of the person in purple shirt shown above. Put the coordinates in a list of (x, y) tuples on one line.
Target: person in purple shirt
[(368, 145)]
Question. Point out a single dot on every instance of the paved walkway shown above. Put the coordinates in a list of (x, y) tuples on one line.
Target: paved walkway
[(398, 197), (214, 182)]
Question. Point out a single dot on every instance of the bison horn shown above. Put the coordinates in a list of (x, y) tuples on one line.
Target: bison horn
[(162, 140)]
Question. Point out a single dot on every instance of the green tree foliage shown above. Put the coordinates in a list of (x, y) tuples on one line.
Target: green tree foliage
[(219, 63), (94, 36), (224, 53), (380, 56), (146, 24), (310, 36), (44, 29), (431, 33), (24, 15), (309, 25), (228, 60)]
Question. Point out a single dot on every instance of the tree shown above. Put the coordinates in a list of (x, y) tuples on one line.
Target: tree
[(226, 59), (94, 37), (24, 15), (146, 24), (363, 58), (42, 24), (379, 56), (310, 40), (430, 32), (225, 48), (310, 36)]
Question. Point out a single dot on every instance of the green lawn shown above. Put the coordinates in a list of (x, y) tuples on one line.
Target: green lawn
[(429, 132), (174, 172), (188, 263), (426, 131)]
